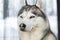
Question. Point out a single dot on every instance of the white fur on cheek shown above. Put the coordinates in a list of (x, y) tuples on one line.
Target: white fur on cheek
[(40, 23)]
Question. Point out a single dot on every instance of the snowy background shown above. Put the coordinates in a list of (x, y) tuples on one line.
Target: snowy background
[(8, 17)]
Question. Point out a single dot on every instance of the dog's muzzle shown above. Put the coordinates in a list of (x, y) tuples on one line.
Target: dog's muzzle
[(22, 26)]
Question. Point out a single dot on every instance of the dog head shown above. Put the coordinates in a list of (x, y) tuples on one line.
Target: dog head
[(29, 17)]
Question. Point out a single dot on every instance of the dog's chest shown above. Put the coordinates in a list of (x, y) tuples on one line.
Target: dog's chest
[(31, 36)]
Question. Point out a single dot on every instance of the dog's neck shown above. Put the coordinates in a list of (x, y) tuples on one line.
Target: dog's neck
[(35, 34)]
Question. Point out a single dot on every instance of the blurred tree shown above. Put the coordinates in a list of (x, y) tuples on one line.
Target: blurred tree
[(6, 11)]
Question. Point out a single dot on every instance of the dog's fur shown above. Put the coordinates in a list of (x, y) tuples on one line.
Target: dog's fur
[(37, 25)]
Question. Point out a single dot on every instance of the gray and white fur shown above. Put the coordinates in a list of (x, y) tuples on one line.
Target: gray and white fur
[(33, 24)]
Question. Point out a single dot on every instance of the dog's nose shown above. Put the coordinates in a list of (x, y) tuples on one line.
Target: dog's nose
[(22, 25)]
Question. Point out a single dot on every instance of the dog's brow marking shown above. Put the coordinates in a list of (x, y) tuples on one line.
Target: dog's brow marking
[(41, 15), (27, 8), (37, 14)]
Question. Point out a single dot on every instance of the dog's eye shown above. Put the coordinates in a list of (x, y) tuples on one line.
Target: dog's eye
[(21, 17), (32, 17)]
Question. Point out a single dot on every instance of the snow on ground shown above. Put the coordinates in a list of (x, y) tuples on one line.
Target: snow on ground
[(1, 29), (11, 29)]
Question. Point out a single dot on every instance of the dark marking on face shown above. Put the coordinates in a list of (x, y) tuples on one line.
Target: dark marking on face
[(27, 8), (21, 16), (39, 14), (34, 9), (43, 15), (32, 17)]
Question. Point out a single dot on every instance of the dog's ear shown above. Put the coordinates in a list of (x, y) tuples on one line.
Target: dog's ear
[(39, 3), (25, 2)]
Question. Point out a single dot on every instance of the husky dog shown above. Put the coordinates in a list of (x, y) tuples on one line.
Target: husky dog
[(33, 24)]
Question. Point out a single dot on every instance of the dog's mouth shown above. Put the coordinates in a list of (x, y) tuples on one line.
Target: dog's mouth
[(22, 29)]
